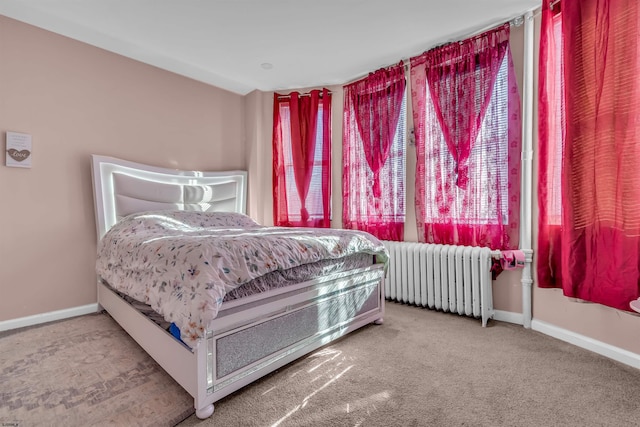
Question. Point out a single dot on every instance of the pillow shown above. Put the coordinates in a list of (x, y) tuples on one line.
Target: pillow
[(197, 218), (225, 219)]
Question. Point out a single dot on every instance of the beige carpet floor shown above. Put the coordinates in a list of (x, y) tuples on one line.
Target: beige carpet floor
[(84, 371), (425, 368), (420, 368)]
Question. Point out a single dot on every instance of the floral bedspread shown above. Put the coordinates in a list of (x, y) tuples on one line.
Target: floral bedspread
[(182, 263)]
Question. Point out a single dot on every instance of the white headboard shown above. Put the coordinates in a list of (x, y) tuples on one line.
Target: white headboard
[(121, 188)]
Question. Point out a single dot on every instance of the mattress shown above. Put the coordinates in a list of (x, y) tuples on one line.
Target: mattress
[(270, 281), (184, 263)]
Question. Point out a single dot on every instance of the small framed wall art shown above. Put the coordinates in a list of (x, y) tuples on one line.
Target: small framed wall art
[(18, 151)]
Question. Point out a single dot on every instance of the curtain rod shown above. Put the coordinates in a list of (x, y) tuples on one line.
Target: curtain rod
[(514, 21), (288, 95)]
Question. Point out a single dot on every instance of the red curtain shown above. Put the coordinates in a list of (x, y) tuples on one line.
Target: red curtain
[(601, 177), (299, 163), (373, 174), (468, 142), (304, 116), (551, 136)]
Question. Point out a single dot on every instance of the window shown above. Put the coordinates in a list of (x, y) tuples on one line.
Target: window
[(551, 124), (374, 133), (478, 202), (302, 168), (468, 143), (556, 142), (314, 196)]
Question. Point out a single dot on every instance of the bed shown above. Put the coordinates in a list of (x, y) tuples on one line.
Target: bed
[(249, 336)]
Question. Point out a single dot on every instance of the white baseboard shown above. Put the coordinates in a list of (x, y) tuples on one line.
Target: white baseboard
[(36, 319), (508, 316), (604, 349)]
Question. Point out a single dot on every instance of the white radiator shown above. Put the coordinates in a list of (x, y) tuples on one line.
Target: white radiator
[(454, 279)]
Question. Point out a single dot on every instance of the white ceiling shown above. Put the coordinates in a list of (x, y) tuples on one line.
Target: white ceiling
[(225, 43)]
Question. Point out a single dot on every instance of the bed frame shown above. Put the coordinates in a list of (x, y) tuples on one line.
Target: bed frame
[(252, 336)]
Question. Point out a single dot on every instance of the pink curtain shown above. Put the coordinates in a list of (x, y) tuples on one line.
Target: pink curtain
[(373, 196), (377, 101), (453, 73), (295, 155), (550, 147), (468, 139), (601, 177)]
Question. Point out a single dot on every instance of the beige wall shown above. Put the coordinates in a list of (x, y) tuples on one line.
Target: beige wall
[(507, 289), (76, 100), (259, 114)]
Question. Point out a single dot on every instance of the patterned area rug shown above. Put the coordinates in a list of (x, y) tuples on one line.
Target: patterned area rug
[(84, 371)]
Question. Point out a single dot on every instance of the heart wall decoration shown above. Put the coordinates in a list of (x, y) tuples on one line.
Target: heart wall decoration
[(19, 156), (18, 150)]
